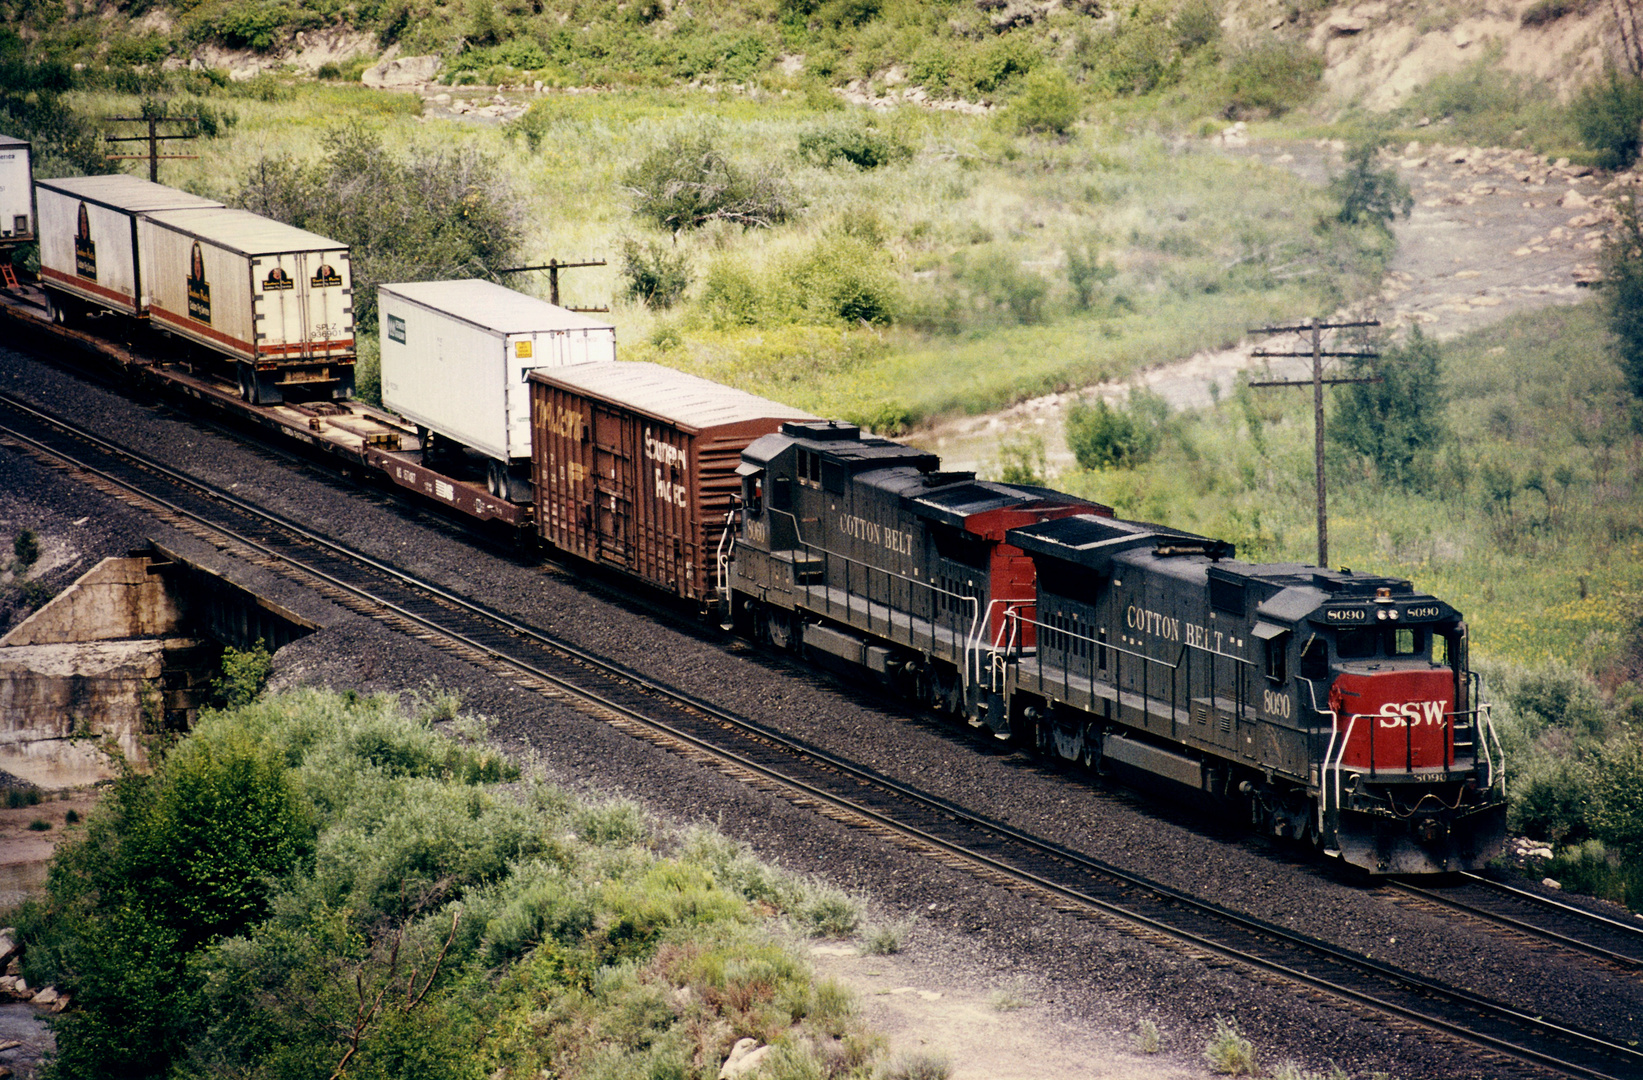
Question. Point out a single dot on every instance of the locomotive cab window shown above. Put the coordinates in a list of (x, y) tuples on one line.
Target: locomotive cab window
[(1314, 659), (753, 493), (1356, 644), (1277, 657), (1406, 641)]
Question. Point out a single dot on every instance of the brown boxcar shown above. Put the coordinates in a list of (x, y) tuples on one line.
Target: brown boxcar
[(635, 466)]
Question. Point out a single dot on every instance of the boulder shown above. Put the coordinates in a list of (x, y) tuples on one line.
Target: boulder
[(745, 1059), (1573, 200), (401, 72)]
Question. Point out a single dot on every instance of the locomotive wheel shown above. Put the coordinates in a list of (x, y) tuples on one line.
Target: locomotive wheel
[(779, 629)]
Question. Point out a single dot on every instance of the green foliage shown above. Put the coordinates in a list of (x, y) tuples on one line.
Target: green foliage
[(32, 106), (1147, 1038), (22, 796), (846, 278), (318, 885), (1608, 114), (1049, 103), (1399, 424), (1102, 436), (1542, 12), (862, 145), (1617, 816), (1271, 78), (26, 547), (1228, 1052), (248, 24), (426, 215), (1623, 290), (1368, 193), (657, 275), (1022, 459), (244, 674), (1087, 272), (920, 1066), (39, 825), (688, 182)]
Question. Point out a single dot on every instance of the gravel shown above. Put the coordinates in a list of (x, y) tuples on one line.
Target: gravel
[(975, 934)]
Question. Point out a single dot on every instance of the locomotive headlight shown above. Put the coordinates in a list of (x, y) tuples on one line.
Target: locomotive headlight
[(1393, 615), (1381, 615)]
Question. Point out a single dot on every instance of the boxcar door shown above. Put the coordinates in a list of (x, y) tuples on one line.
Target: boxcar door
[(613, 471)]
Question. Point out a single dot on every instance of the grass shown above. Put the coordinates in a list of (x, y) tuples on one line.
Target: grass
[(973, 227), (1531, 527)]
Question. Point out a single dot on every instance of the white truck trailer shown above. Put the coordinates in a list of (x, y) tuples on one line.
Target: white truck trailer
[(16, 192), (274, 299), (457, 358), (88, 241)]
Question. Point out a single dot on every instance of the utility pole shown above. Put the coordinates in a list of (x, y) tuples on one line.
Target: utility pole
[(1318, 382), (553, 266), (153, 139)]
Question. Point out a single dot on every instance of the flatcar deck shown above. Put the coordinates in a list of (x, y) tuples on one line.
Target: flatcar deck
[(352, 431)]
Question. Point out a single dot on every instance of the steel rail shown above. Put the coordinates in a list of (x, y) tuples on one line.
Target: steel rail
[(1563, 941), (809, 791)]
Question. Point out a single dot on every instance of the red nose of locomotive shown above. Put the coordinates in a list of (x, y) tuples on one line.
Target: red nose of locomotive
[(1395, 721)]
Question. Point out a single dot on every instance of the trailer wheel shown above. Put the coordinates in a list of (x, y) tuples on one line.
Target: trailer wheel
[(496, 478), (248, 382)]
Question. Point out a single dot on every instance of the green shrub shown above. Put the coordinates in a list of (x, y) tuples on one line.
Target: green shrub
[(1147, 1038), (862, 145), (919, 1065), (1228, 1052), (1542, 12), (1104, 437), (244, 674), (1608, 114), (1049, 103), (845, 278), (1622, 259), (428, 214), (1271, 78), (1617, 816), (731, 296), (39, 825), (657, 275), (1398, 424), (1022, 459), (688, 182), (1367, 192), (26, 547)]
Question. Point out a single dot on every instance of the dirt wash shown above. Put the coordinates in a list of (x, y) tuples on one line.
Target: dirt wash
[(1492, 233)]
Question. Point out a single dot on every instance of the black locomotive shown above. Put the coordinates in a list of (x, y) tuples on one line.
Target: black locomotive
[(1337, 707)]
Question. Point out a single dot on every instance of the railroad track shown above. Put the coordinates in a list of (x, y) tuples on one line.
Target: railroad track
[(742, 749), (1617, 941)]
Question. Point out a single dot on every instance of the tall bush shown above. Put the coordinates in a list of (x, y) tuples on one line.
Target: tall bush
[(1623, 289), (689, 182), (1608, 114), (1399, 423), (1102, 436), (424, 215)]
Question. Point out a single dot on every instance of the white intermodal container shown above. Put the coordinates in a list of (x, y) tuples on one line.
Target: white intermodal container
[(457, 357), (88, 240), (16, 192), (275, 298)]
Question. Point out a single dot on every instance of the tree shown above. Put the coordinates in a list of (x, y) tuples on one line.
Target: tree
[(1398, 423), (1103, 437), (1368, 193), (422, 216), (1623, 289), (1608, 113), (689, 182)]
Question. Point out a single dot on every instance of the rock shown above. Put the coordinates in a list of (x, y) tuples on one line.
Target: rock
[(1412, 149), (8, 945), (1581, 221), (47, 997), (1585, 277), (1579, 170), (402, 72), (745, 1059), (1345, 24), (1457, 157), (1551, 883), (1573, 200)]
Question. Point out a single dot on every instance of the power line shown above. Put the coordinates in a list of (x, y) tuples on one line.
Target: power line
[(1318, 382)]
